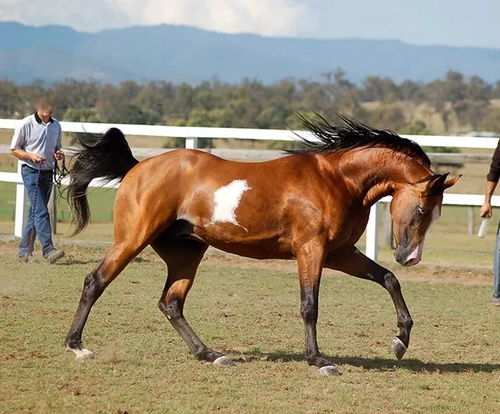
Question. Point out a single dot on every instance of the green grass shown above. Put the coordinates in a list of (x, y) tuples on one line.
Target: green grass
[(250, 310)]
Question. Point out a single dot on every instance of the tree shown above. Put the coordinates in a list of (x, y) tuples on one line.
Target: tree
[(81, 115)]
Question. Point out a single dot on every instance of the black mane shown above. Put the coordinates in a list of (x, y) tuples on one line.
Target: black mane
[(349, 134)]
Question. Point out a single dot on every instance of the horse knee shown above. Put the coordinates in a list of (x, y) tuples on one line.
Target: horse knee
[(391, 283)]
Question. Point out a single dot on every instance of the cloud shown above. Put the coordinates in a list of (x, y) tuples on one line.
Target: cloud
[(85, 15), (278, 17)]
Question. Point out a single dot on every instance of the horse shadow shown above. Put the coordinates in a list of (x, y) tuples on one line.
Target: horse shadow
[(377, 364), (71, 261)]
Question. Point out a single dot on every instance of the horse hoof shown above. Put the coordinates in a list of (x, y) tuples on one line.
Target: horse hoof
[(398, 347), (329, 371), (82, 355), (224, 361)]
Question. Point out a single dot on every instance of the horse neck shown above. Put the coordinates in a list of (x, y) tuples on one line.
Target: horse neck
[(373, 173)]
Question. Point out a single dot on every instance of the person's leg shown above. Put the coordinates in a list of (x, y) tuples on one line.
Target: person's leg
[(42, 219), (29, 176), (496, 269)]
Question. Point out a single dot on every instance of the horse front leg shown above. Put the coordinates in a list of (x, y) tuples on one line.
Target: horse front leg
[(310, 264), (355, 263)]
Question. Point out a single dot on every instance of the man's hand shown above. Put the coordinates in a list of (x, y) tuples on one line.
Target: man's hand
[(486, 211), (59, 155), (36, 158)]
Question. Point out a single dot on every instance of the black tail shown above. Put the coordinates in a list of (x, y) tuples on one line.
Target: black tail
[(110, 157)]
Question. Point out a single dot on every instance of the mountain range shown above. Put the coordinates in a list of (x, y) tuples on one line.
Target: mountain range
[(187, 54)]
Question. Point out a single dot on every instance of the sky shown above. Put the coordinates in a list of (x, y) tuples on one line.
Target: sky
[(429, 22)]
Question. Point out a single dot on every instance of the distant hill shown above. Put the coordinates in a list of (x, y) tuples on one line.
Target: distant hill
[(180, 53)]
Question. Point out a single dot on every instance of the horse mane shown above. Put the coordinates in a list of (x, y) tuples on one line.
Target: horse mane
[(349, 134)]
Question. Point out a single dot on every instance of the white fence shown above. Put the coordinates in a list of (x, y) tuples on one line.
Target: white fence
[(192, 134)]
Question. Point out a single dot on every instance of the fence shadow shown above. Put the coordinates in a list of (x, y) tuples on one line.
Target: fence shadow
[(378, 364)]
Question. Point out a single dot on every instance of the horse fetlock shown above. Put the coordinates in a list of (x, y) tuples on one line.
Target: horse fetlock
[(208, 355), (405, 325), (73, 341), (318, 361)]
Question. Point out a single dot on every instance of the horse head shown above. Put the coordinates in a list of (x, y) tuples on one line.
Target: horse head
[(413, 208)]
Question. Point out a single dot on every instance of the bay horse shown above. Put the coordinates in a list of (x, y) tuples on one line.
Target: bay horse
[(311, 205)]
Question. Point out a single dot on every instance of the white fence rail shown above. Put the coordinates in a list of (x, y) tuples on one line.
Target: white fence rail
[(191, 135)]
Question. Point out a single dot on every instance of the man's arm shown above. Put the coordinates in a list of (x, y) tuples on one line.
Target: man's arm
[(25, 156), (486, 210), (18, 144), (59, 154), (491, 183)]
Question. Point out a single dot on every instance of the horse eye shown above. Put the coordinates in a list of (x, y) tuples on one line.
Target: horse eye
[(422, 211)]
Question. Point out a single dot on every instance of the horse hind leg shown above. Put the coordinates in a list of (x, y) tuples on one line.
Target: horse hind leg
[(94, 285), (183, 258)]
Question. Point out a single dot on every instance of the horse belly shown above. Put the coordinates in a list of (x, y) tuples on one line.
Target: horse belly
[(243, 242)]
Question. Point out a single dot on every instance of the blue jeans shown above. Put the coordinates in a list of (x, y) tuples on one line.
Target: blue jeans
[(38, 184), (496, 267)]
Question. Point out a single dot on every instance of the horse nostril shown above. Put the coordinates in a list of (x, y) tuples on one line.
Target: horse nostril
[(412, 262)]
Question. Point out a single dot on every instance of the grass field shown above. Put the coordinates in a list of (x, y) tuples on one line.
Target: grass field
[(250, 310)]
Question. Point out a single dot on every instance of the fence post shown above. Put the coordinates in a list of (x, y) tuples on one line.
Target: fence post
[(371, 232), (21, 197), (470, 220), (191, 143), (388, 233)]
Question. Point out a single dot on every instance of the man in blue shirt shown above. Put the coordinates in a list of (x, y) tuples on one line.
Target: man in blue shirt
[(37, 143)]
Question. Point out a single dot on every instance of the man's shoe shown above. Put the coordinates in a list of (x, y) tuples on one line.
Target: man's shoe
[(23, 258), (54, 256), (496, 302)]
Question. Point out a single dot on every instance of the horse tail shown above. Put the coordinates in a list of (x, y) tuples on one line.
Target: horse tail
[(108, 157)]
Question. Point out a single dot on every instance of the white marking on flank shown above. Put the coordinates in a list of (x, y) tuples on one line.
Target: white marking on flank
[(227, 200)]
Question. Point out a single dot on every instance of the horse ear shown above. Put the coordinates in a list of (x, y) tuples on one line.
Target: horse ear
[(451, 181), (436, 184)]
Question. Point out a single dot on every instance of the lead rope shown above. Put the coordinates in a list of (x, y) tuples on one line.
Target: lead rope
[(58, 174)]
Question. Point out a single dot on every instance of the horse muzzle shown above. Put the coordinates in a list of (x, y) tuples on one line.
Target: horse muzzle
[(408, 256)]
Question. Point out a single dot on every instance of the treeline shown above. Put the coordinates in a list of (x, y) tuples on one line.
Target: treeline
[(448, 105)]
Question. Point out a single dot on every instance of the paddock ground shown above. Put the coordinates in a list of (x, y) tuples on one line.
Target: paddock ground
[(249, 309)]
